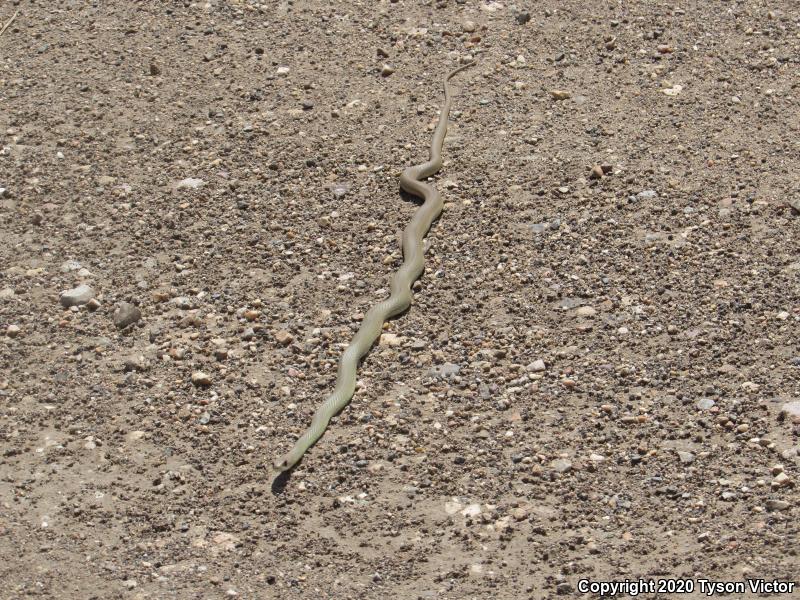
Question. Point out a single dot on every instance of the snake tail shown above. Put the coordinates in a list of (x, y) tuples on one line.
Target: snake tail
[(400, 287)]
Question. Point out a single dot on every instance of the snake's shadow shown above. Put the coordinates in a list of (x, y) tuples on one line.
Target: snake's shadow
[(414, 199), (281, 481)]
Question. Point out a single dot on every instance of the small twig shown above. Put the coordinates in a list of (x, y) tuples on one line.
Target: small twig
[(10, 21)]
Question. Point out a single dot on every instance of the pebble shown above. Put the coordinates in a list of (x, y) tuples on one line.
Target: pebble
[(585, 311), (522, 18), (445, 370), (704, 403), (673, 91), (646, 194), (190, 183), (473, 510), (7, 293), (386, 70), (126, 314), (561, 465), (76, 296), (201, 379), (183, 302), (687, 458), (340, 189), (13, 331), (781, 480), (791, 410), (135, 436), (70, 265), (536, 366), (596, 172), (282, 71), (539, 227), (777, 505), (390, 339), (560, 94), (284, 338)]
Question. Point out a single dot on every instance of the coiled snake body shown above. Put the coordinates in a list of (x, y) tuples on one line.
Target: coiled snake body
[(399, 299)]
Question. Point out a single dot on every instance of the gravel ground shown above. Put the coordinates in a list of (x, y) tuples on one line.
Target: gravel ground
[(599, 377)]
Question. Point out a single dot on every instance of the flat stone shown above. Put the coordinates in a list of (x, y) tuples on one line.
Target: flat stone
[(340, 189), (190, 183), (704, 403), (777, 505), (201, 379), (687, 458), (126, 314), (76, 296), (585, 311), (791, 410), (70, 265), (183, 302), (536, 366), (390, 339), (445, 370), (473, 510), (561, 465), (284, 338)]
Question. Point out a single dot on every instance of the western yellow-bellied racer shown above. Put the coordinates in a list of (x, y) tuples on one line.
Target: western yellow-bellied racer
[(400, 297)]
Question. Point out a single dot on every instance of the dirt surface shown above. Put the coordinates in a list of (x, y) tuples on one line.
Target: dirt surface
[(599, 377)]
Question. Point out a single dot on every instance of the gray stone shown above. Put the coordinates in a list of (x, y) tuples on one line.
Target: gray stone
[(704, 403), (201, 379), (76, 296), (536, 366), (687, 458), (777, 505), (190, 183), (539, 227), (646, 194), (183, 302), (70, 265), (126, 314), (340, 189), (445, 370), (561, 465), (792, 410)]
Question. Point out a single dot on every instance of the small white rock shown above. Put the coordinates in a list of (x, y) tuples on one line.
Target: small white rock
[(200, 378), (76, 296), (473, 510), (537, 366)]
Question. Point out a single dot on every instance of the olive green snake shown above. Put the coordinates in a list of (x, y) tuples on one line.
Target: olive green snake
[(400, 287)]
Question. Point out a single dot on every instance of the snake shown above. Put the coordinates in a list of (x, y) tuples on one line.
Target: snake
[(400, 287)]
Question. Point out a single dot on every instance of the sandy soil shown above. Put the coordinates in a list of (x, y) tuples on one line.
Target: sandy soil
[(599, 377)]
